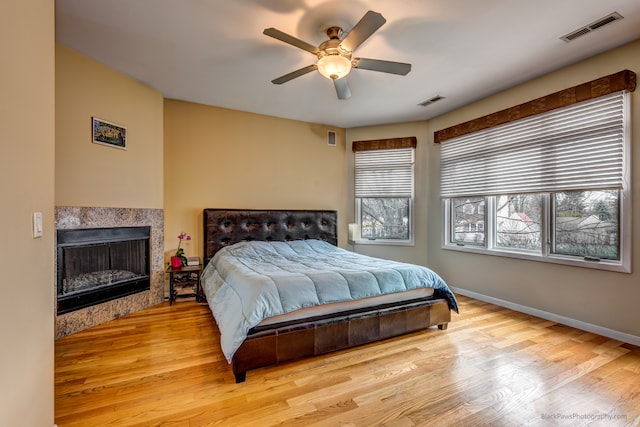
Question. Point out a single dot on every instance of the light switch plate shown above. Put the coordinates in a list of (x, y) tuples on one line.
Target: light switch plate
[(37, 224)]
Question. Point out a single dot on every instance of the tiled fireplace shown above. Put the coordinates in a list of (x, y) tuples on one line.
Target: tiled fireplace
[(99, 228)]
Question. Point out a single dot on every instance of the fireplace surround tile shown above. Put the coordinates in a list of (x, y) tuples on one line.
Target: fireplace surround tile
[(71, 217)]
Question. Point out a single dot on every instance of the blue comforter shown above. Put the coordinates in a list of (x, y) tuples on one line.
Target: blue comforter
[(248, 282)]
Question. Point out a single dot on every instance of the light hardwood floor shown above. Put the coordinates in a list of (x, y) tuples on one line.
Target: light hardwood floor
[(493, 366)]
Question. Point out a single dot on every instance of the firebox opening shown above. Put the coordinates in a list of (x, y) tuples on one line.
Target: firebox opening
[(96, 265)]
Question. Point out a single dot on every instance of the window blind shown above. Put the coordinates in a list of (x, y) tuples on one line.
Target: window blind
[(384, 173), (572, 148)]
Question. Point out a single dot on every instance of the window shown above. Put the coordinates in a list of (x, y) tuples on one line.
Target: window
[(553, 187), (384, 218), (468, 216), (384, 178), (587, 223), (519, 222)]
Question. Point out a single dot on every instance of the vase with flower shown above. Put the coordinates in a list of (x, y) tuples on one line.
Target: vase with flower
[(179, 259)]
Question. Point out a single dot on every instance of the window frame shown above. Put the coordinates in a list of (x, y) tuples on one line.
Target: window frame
[(380, 241), (545, 255)]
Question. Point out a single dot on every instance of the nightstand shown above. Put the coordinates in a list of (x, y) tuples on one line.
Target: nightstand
[(184, 282)]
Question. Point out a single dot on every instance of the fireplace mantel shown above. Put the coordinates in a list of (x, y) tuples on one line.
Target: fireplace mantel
[(68, 217)]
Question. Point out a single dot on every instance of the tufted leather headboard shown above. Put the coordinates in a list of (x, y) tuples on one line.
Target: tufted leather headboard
[(223, 227)]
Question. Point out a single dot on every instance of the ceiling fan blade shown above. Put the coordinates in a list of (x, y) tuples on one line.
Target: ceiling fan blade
[(292, 75), (391, 67), (368, 25), (284, 37), (342, 88)]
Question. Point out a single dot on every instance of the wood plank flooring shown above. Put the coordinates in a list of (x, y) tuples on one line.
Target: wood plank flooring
[(491, 367)]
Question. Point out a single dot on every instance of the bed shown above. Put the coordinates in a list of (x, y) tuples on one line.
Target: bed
[(280, 289)]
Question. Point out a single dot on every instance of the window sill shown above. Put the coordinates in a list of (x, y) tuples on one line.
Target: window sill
[(617, 266), (386, 242)]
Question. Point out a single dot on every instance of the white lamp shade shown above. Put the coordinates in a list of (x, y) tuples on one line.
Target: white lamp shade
[(334, 66), (354, 232)]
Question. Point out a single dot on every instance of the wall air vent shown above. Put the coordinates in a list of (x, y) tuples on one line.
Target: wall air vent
[(331, 138), (431, 100), (612, 17)]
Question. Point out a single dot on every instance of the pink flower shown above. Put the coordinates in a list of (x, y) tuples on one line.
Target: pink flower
[(182, 236)]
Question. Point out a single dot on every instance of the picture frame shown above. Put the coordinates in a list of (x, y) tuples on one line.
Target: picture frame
[(107, 133)]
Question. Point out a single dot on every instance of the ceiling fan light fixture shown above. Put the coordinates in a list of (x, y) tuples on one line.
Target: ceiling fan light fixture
[(334, 66), (335, 54)]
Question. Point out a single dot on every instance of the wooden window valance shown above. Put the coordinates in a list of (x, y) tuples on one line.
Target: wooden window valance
[(623, 80), (384, 144)]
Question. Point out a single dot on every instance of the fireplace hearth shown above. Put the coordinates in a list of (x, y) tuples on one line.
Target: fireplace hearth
[(88, 217), (96, 265)]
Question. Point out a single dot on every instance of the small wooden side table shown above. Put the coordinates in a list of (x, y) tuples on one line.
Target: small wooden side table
[(184, 282)]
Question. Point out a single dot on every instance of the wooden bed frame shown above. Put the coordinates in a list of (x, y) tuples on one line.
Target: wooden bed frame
[(281, 342)]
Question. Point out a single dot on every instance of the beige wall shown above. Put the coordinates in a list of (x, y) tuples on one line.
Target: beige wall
[(601, 298), (220, 158), (26, 186), (89, 174)]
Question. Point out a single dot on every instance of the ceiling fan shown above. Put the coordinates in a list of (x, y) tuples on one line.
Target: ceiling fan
[(335, 55)]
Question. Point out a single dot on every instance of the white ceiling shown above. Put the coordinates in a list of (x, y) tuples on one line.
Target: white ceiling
[(213, 51)]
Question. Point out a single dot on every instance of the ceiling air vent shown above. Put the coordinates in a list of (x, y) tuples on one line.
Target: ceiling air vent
[(431, 101), (613, 17)]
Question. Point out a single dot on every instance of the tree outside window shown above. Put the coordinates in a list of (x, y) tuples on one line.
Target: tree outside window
[(468, 217), (384, 218), (586, 223), (518, 222)]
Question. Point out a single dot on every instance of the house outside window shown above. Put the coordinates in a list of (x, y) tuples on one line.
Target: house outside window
[(468, 217), (554, 187), (384, 190), (587, 224), (519, 222)]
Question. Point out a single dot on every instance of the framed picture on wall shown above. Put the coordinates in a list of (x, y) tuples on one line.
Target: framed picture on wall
[(107, 133)]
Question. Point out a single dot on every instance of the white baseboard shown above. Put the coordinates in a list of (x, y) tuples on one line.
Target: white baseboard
[(589, 327)]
